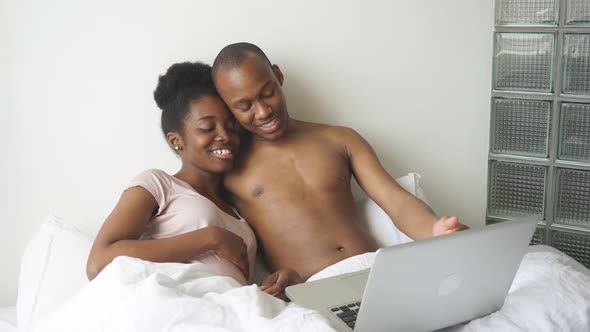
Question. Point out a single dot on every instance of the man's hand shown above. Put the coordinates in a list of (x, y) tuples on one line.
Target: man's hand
[(447, 225), (276, 283)]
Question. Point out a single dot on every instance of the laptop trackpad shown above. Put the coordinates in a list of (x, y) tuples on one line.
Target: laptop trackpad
[(357, 282)]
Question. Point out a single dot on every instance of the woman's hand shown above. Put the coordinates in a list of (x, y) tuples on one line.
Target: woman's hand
[(276, 283), (231, 247)]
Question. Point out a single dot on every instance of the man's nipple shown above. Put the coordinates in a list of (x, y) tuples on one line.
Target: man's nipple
[(258, 191)]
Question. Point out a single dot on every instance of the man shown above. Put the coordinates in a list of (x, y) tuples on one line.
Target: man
[(292, 178)]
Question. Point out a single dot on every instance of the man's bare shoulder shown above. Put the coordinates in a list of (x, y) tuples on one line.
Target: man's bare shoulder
[(336, 133), (306, 126)]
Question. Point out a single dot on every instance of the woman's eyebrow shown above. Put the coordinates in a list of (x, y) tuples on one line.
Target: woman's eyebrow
[(206, 117)]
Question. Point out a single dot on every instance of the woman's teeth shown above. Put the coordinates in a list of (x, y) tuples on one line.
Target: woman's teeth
[(222, 152)]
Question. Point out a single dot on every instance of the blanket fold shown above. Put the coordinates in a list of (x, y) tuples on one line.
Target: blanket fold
[(131, 294)]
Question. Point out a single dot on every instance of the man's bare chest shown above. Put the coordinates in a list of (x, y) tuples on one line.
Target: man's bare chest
[(294, 173)]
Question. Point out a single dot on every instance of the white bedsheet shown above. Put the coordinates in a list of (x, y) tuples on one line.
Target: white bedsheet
[(8, 319), (135, 295), (551, 292)]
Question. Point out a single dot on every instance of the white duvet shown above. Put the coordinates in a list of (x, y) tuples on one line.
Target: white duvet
[(135, 295), (551, 292)]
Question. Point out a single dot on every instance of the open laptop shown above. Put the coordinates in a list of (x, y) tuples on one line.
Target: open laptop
[(424, 285)]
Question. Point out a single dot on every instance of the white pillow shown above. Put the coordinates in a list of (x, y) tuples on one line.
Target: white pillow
[(53, 268), (378, 222)]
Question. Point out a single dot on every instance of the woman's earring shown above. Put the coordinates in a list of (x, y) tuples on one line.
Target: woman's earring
[(176, 148)]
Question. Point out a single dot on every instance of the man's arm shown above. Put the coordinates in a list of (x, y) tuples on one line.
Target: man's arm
[(410, 214)]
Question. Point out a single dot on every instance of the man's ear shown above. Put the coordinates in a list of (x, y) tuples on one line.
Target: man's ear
[(279, 75), (174, 140)]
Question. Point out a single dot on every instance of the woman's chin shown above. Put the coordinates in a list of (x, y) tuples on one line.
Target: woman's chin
[(222, 170)]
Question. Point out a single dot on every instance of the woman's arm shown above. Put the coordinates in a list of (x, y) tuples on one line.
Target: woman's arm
[(119, 236)]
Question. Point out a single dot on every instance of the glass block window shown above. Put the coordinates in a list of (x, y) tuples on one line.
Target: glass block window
[(577, 12), (516, 189), (538, 236), (524, 61), (574, 132), (526, 12), (520, 127), (539, 160), (575, 245), (572, 204), (576, 64)]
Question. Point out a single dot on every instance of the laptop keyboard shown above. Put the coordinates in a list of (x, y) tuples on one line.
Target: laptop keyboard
[(347, 312)]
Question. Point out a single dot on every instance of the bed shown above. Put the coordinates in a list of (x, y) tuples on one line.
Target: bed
[(8, 319), (551, 291)]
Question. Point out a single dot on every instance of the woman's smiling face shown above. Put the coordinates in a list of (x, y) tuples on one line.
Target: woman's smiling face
[(209, 138)]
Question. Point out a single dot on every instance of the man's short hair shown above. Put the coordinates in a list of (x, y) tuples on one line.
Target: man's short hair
[(232, 55)]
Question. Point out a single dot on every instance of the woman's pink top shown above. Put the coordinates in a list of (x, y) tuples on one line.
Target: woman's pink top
[(182, 209)]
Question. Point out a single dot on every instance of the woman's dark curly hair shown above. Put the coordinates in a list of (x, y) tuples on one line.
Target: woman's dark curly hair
[(183, 83)]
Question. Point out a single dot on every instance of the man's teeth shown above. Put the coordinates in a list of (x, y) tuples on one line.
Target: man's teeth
[(266, 125), (222, 152)]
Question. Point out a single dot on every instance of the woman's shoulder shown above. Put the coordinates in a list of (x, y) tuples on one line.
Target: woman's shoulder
[(153, 175)]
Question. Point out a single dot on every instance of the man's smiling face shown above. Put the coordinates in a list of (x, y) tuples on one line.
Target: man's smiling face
[(254, 95)]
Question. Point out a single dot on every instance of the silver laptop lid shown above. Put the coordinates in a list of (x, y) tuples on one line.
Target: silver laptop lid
[(438, 282)]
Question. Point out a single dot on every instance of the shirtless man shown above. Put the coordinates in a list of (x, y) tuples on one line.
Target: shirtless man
[(292, 179)]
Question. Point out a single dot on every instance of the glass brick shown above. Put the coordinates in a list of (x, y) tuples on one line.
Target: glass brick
[(576, 64), (526, 12), (521, 127), (574, 132), (577, 12), (538, 236), (572, 201), (516, 189), (524, 61), (575, 245)]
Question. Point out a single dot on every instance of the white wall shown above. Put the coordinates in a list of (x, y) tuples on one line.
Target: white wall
[(78, 119)]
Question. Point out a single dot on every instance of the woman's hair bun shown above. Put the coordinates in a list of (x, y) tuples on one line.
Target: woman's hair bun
[(181, 80)]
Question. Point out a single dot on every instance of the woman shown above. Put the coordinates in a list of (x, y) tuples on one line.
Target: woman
[(183, 218)]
